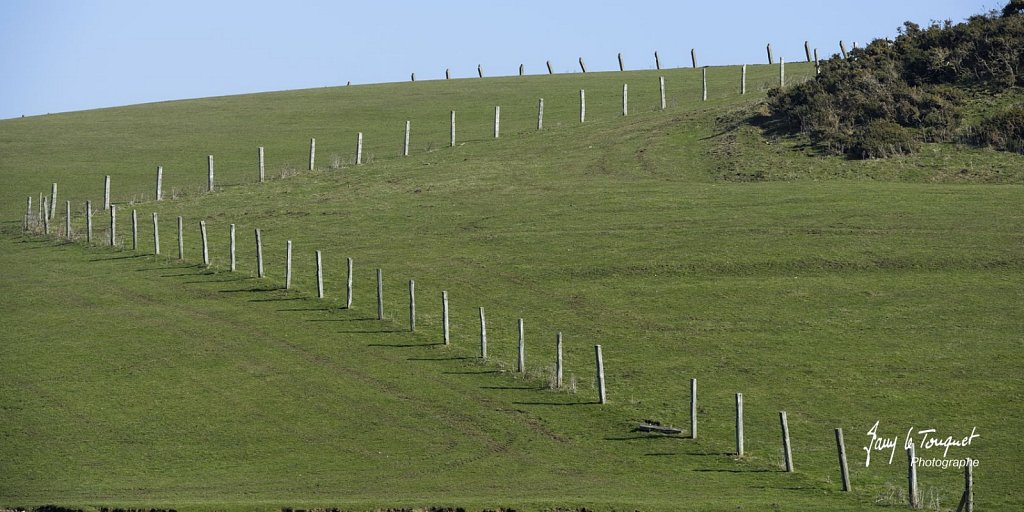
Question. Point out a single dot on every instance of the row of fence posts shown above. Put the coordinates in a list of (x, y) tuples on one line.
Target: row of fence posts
[(809, 55), (46, 212)]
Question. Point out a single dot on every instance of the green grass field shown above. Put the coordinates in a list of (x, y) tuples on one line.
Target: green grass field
[(842, 292)]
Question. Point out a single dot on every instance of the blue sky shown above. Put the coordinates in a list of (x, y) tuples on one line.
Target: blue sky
[(58, 56)]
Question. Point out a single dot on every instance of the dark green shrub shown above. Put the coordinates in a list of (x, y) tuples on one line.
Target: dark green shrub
[(883, 139), (1003, 131)]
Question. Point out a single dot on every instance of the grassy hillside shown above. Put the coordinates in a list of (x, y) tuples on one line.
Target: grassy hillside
[(687, 244)]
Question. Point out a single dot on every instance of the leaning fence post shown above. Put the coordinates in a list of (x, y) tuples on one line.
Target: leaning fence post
[(480, 70), (106, 192), (483, 334), (558, 361), (53, 201), (113, 225), (159, 183), (88, 221), (743, 80), (359, 148), (412, 305), (319, 276), (540, 117), (259, 254), (444, 317), (288, 265), (348, 284), (67, 219), (661, 85), (497, 121), (807, 50), (583, 66), (771, 59), (231, 236), (912, 495), (842, 48), (156, 236), (844, 469), (601, 395), (622, 66), (413, 77), (787, 450), (135, 230), (380, 295), (206, 248), (181, 239), (209, 173), (583, 105), (452, 134), (657, 61), (312, 152), (739, 424), (550, 70), (405, 144), (521, 360), (693, 408), (704, 84), (625, 100), (693, 57)]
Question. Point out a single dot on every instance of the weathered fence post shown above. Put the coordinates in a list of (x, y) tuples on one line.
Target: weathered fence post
[(231, 248), (319, 276), (46, 217), (967, 500), (135, 230), (444, 317), (497, 121), (259, 254), (447, 73), (704, 84), (782, 72), (67, 219), (312, 152), (622, 66), (787, 450), (583, 66), (913, 496), (53, 201), (480, 70), (657, 61), (288, 265), (540, 117), (558, 361), (522, 70), (625, 100), (159, 183), (380, 295), (521, 360), (28, 215), (693, 408), (156, 235), (262, 162), (106, 192), (844, 469), (359, 148), (348, 284), (743, 80), (452, 134), (113, 225), (483, 334), (206, 248), (739, 424), (693, 57), (817, 63), (209, 173), (771, 58), (550, 70), (412, 305), (661, 86), (413, 77), (181, 238), (583, 105), (602, 396), (842, 48), (88, 222), (405, 144)]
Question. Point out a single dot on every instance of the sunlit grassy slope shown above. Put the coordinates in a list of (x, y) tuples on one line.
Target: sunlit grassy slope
[(844, 293)]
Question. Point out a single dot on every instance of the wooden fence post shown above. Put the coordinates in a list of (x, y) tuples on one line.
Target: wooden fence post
[(447, 73), (181, 239), (452, 135), (704, 84), (967, 500), (540, 116), (28, 215), (521, 360), (413, 77), (444, 317), (743, 80), (782, 72), (739, 424), (53, 201), (913, 496), (693, 57), (206, 248), (625, 100), (480, 70), (156, 235), (522, 70), (405, 144), (312, 152), (657, 61), (209, 173), (259, 255), (661, 85), (844, 469), (412, 305), (88, 221), (842, 48), (771, 58), (288, 265), (159, 183), (693, 408), (550, 70), (106, 192), (622, 65), (583, 105), (67, 219), (113, 225), (787, 450), (497, 121), (817, 63), (135, 230), (231, 248), (359, 148), (558, 361), (583, 66), (348, 285), (46, 217), (380, 295), (319, 276), (262, 162), (602, 396), (483, 334)]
